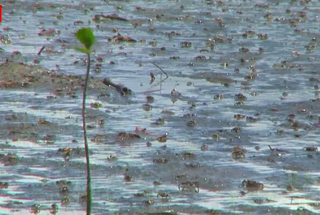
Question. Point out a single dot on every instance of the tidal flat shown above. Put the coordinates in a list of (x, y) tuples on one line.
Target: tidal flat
[(194, 107)]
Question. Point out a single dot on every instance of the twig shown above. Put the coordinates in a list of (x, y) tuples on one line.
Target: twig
[(167, 76), (152, 78), (160, 82), (41, 49), (278, 150)]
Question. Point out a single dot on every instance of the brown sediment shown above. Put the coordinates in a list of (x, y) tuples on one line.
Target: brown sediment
[(19, 75)]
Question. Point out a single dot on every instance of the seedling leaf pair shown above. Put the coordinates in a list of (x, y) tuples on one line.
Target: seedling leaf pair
[(87, 38)]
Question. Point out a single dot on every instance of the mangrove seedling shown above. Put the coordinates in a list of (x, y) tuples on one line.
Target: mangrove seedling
[(87, 38)]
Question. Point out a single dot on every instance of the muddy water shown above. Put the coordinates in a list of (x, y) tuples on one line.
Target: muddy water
[(240, 108)]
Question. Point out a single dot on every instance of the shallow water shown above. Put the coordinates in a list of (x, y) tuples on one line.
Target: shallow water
[(278, 76)]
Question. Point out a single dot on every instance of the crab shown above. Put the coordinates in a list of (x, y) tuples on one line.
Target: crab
[(189, 186)]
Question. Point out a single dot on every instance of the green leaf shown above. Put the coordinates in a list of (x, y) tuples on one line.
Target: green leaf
[(86, 37), (83, 50)]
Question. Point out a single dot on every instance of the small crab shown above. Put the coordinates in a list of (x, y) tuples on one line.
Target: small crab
[(138, 195), (63, 182), (127, 178), (163, 195), (64, 190), (54, 209), (187, 155), (4, 185), (10, 159), (35, 209), (238, 152), (160, 121), (240, 97), (252, 185), (179, 177), (150, 99), (43, 122), (186, 44), (248, 34), (189, 186), (126, 136), (236, 129), (149, 202), (216, 136), (251, 119), (161, 160), (163, 138), (156, 183), (311, 148), (192, 123), (239, 116), (65, 201), (147, 107), (193, 165), (218, 97), (204, 147)]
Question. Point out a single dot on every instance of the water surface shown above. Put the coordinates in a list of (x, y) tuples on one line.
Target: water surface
[(241, 73)]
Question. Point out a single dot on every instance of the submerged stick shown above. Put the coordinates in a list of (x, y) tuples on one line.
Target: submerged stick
[(167, 76), (161, 81), (41, 49)]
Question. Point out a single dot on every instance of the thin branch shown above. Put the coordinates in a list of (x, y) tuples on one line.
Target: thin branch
[(167, 76), (161, 81), (41, 49)]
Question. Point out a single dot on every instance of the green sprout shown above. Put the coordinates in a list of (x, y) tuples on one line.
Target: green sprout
[(87, 38)]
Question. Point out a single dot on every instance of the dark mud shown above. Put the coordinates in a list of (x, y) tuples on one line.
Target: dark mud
[(233, 130)]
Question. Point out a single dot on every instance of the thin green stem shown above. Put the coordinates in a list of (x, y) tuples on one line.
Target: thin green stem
[(86, 146)]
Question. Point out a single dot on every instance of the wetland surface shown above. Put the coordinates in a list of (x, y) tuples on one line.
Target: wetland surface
[(234, 129)]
